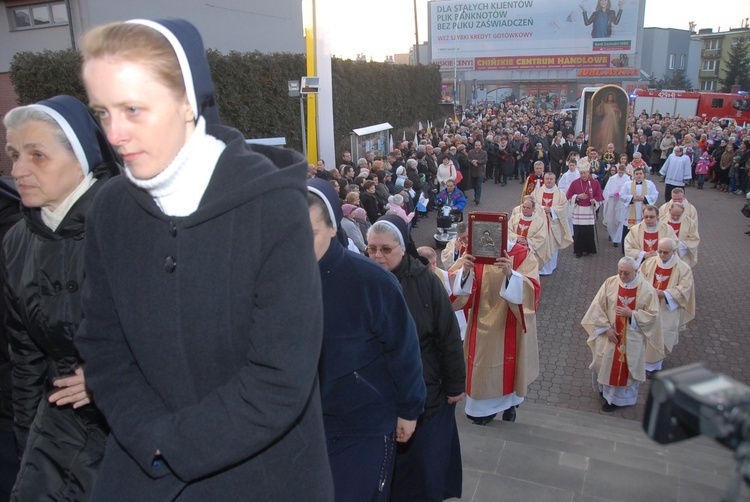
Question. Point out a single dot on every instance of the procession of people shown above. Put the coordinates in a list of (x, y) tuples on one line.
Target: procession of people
[(341, 351)]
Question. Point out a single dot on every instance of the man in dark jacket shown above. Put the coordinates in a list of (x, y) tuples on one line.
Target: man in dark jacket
[(556, 157)]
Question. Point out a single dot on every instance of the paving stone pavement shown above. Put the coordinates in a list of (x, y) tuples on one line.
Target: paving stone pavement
[(562, 446), (718, 335)]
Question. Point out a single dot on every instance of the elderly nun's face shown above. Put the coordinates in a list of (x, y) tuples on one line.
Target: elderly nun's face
[(384, 249), (44, 170), (322, 233), (143, 118)]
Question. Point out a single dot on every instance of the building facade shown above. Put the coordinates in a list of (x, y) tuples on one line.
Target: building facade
[(668, 50), (715, 47), (225, 25)]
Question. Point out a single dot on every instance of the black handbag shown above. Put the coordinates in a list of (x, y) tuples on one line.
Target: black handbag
[(746, 210)]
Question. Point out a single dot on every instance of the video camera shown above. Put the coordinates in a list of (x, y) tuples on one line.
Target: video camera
[(691, 400)]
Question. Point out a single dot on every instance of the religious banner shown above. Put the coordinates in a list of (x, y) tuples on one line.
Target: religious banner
[(608, 116), (488, 236)]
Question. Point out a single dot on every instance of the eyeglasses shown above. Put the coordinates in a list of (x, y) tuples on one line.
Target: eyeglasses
[(372, 250)]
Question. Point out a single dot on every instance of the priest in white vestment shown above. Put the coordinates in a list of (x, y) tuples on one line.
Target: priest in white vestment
[(555, 205), (673, 281), (613, 204), (686, 231), (636, 195), (642, 241), (622, 322)]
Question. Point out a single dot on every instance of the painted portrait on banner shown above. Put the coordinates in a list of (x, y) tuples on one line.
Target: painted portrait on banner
[(608, 116)]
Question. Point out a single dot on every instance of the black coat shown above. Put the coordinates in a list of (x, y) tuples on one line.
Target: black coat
[(202, 336), (44, 277), (10, 213), (439, 335), (556, 158)]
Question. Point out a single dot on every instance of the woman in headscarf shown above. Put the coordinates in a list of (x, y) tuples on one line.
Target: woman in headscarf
[(370, 371), (203, 318), (429, 466), (61, 159)]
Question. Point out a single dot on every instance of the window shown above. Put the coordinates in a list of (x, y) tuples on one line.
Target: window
[(708, 85), (671, 61), (682, 61), (709, 65), (40, 15), (712, 44), (717, 103)]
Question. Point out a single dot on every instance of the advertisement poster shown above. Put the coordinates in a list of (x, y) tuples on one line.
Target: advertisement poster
[(533, 34)]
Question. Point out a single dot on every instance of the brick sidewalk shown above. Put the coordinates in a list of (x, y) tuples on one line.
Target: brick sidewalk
[(717, 336)]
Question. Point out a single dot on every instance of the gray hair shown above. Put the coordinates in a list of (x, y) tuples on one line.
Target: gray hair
[(411, 163), (462, 227), (19, 117), (627, 260)]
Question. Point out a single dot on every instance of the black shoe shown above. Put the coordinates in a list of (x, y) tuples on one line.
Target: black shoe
[(476, 202), (609, 408), (578, 255), (615, 244), (509, 415), (503, 184), (748, 232), (481, 420), (650, 374)]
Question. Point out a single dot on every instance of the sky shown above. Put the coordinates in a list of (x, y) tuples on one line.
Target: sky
[(386, 27)]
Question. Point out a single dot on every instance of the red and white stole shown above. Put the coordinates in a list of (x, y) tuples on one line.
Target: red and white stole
[(661, 278), (675, 226), (650, 241), (523, 228), (547, 199), (618, 376)]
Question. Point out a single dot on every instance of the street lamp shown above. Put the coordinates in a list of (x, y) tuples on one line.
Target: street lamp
[(455, 57)]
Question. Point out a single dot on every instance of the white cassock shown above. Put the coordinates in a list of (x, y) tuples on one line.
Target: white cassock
[(445, 277), (626, 195), (563, 184), (613, 206)]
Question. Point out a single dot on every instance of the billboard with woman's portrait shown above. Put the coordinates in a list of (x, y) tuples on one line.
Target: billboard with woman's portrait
[(608, 116)]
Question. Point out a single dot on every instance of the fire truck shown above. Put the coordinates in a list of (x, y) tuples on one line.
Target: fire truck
[(708, 105)]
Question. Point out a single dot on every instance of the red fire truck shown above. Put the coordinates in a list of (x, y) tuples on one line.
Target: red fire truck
[(708, 105)]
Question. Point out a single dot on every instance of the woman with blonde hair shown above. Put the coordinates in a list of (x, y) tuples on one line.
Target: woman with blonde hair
[(200, 349)]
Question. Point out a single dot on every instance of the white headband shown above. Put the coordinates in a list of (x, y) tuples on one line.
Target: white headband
[(187, 75), (75, 143)]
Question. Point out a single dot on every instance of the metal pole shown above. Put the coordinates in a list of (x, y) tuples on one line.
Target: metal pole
[(70, 26), (416, 35), (302, 121)]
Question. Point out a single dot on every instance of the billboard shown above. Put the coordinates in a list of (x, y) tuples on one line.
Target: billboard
[(529, 34)]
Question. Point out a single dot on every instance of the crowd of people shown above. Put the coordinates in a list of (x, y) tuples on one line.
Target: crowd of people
[(168, 335), (557, 208)]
